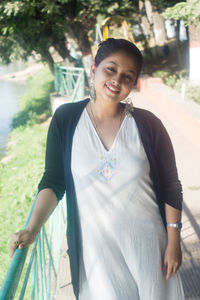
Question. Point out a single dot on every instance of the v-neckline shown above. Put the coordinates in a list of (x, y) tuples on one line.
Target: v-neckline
[(107, 151)]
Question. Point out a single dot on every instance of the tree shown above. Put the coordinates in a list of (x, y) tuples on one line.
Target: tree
[(30, 25), (156, 22), (189, 13), (153, 23), (27, 25), (148, 28)]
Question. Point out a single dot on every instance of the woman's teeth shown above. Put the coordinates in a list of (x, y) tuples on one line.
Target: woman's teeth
[(113, 89)]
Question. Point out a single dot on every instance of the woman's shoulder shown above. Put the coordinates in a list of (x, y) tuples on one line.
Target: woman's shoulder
[(71, 108), (145, 115), (149, 121), (66, 115)]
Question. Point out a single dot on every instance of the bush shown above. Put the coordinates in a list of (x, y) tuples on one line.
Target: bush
[(161, 73), (193, 92), (176, 80)]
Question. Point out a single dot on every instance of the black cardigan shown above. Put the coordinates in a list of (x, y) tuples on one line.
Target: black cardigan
[(58, 176)]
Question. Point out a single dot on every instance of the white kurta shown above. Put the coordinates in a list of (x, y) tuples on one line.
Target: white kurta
[(123, 236)]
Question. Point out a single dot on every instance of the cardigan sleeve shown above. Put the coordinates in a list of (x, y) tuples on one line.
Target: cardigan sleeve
[(53, 176), (166, 163)]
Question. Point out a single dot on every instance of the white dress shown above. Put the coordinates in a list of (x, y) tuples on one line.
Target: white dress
[(123, 237)]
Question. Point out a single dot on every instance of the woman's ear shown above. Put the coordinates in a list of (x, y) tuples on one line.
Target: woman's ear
[(92, 70)]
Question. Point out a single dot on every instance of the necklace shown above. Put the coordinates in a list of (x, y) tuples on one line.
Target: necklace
[(107, 161), (95, 123)]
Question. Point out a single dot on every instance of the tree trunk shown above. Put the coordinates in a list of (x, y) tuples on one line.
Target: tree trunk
[(157, 25), (80, 34), (46, 56), (194, 44), (159, 28), (178, 44), (145, 41), (60, 46), (148, 29)]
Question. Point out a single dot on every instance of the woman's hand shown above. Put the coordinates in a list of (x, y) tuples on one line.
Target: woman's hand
[(172, 258), (21, 239), (46, 202)]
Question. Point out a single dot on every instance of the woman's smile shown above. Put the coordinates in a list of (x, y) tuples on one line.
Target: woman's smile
[(112, 88)]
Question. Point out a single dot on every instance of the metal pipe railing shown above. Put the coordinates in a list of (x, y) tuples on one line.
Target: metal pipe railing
[(43, 247), (69, 81)]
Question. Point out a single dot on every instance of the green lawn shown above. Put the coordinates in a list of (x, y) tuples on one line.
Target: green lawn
[(22, 170)]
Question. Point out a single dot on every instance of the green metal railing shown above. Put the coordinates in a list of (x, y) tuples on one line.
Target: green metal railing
[(43, 261), (69, 82)]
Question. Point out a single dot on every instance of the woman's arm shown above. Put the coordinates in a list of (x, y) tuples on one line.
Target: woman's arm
[(173, 254), (172, 195), (45, 204)]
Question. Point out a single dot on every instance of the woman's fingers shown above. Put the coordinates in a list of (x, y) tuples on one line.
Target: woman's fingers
[(14, 243), (169, 272), (171, 269), (20, 239), (172, 261)]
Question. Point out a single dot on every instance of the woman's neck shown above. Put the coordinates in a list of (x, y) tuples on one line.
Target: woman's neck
[(106, 111)]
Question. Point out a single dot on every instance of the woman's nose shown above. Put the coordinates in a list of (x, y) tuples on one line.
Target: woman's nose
[(116, 80)]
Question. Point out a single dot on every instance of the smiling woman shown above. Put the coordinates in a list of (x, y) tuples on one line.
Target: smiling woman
[(124, 198)]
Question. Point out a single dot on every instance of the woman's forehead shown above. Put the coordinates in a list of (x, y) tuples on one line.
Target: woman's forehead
[(121, 59)]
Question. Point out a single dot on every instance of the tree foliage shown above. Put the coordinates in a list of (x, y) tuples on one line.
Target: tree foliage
[(161, 5), (29, 25), (35, 25), (189, 12)]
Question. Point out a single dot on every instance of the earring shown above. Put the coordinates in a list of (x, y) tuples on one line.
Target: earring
[(92, 91), (129, 107)]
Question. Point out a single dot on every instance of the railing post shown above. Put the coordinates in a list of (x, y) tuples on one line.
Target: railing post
[(70, 82)]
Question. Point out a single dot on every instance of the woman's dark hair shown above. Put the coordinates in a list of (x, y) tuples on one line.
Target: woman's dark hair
[(112, 45)]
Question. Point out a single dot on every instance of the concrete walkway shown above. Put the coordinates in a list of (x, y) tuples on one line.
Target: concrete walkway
[(188, 163)]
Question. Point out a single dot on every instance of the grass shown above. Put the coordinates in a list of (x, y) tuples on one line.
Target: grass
[(23, 168)]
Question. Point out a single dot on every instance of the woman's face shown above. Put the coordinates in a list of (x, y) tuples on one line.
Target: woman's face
[(114, 77)]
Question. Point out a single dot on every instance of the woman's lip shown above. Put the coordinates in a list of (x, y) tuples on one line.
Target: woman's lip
[(112, 89)]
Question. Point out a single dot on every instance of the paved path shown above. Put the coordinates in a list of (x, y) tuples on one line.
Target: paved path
[(188, 163)]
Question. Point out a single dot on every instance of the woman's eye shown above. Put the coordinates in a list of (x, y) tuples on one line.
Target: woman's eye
[(128, 77), (110, 69)]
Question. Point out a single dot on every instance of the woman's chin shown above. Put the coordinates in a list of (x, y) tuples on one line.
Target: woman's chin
[(111, 98)]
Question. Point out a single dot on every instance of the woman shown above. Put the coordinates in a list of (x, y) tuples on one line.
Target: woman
[(124, 199)]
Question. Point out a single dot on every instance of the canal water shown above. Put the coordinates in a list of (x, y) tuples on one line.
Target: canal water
[(10, 92)]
